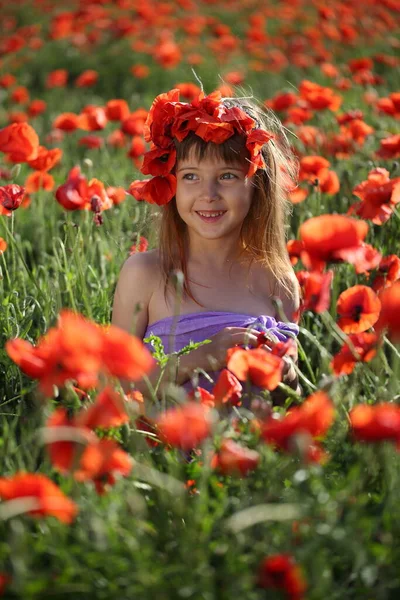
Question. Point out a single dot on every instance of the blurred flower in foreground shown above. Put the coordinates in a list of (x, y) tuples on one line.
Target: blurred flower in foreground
[(280, 571), (376, 423), (234, 459), (79, 349), (365, 346), (185, 426), (39, 491), (310, 420)]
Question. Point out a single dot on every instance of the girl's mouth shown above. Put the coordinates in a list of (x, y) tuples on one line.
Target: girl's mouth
[(211, 216)]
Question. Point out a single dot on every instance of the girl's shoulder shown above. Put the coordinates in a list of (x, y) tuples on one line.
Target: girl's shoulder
[(145, 260), (140, 269)]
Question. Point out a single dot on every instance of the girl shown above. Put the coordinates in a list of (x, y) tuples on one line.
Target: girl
[(222, 173)]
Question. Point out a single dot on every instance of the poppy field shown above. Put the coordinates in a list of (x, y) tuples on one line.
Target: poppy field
[(211, 500)]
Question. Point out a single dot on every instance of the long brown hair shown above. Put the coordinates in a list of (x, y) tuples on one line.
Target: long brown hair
[(263, 235)]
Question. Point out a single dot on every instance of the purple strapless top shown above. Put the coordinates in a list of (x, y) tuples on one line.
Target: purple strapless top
[(201, 326)]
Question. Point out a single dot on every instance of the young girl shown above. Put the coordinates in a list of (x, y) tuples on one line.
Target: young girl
[(222, 173)]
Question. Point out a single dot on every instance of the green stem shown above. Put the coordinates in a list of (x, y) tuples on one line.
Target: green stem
[(18, 251)]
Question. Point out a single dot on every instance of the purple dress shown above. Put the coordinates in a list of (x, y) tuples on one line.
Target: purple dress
[(202, 325)]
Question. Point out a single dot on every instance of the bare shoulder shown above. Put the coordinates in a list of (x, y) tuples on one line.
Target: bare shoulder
[(289, 294), (136, 283), (139, 267)]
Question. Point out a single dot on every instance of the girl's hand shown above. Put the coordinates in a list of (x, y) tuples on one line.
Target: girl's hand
[(215, 352)]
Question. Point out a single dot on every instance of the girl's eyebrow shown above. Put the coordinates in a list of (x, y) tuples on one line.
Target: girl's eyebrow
[(220, 168)]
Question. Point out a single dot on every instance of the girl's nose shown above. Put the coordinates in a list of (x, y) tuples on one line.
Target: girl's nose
[(210, 191)]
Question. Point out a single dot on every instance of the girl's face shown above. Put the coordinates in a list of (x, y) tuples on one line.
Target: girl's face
[(213, 186)]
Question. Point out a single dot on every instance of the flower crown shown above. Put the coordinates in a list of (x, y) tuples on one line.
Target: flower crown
[(209, 118)]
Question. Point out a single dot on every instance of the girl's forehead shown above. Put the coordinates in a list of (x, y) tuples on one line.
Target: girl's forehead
[(208, 162)]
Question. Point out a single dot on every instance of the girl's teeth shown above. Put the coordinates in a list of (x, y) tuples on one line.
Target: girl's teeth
[(212, 214)]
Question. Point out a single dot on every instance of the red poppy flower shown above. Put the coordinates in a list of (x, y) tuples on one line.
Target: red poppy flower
[(328, 181), (49, 500), (67, 122), (263, 368), (108, 410), (375, 423), (297, 195), (3, 245), (158, 161), (185, 427), (280, 571), (136, 188), (188, 90), (390, 105), (282, 101), (389, 318), (20, 141), (93, 118), (379, 195), (167, 53), (117, 110), (294, 248), (39, 180), (359, 309), (73, 194), (316, 290), (364, 258), (20, 95), (234, 459), (311, 166), (319, 97), (11, 197), (140, 71), (65, 440), (93, 142), (203, 396), (255, 141), (365, 345), (358, 130), (36, 107), (7, 80), (161, 115), (350, 116), (325, 238), (388, 272), (158, 190), (138, 148), (227, 389), (102, 462), (78, 349), (315, 169), (17, 117), (87, 78), (141, 246), (46, 159), (116, 139), (313, 417), (57, 78), (134, 124), (390, 147), (360, 64), (124, 355)]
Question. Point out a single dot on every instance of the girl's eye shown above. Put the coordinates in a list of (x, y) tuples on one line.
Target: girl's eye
[(189, 176), (231, 176)]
